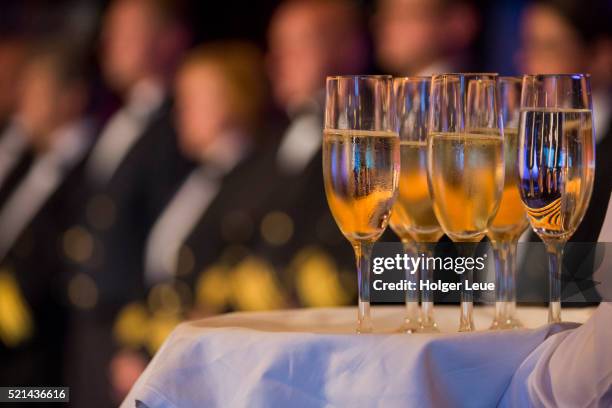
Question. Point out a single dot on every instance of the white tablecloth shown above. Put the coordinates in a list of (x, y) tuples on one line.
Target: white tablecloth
[(312, 358)]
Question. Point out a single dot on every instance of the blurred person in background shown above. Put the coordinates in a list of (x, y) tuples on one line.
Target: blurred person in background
[(296, 236), (51, 100), (560, 36), (14, 157), (220, 101), (309, 40), (133, 168), (424, 37), (13, 50)]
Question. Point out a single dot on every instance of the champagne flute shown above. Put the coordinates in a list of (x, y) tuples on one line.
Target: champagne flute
[(465, 164), (412, 218), (511, 220), (556, 164), (361, 167)]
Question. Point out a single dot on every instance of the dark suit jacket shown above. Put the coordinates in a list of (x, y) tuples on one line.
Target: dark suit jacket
[(116, 218), (264, 215), (256, 202), (37, 264), (302, 198)]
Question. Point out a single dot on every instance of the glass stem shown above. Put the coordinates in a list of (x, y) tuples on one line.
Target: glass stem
[(428, 322), (466, 321), (555, 265), (411, 321), (511, 282), (500, 254), (363, 252)]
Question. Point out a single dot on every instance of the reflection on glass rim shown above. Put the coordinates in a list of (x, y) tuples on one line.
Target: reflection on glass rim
[(334, 77), (576, 75), (414, 78), (466, 74)]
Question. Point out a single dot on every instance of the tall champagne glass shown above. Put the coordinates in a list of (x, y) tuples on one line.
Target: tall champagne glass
[(511, 220), (361, 167), (465, 164), (413, 219), (556, 164)]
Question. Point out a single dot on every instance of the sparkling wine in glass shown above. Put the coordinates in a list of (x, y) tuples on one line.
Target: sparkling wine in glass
[(361, 167), (465, 164), (556, 164), (413, 218), (511, 220)]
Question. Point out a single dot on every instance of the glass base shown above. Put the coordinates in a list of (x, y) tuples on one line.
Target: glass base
[(506, 324), (428, 327), (466, 328), (496, 324), (428, 323), (466, 321), (410, 326), (512, 323)]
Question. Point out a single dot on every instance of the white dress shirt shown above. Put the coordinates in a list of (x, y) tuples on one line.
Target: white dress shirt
[(302, 139), (188, 205), (123, 130), (13, 145)]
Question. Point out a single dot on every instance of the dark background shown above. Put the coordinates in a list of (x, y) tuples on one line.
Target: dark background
[(213, 20)]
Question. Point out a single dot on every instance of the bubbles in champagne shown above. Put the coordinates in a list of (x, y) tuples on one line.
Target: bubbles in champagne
[(360, 170), (413, 216), (466, 175)]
